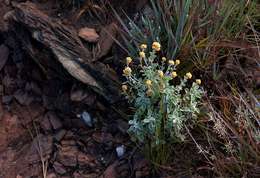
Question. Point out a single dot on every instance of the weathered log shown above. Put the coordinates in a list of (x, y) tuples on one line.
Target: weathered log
[(66, 46)]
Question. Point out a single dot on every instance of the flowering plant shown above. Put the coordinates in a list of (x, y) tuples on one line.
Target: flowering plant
[(163, 101)]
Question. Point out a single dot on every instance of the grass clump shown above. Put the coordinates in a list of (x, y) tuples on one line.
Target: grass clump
[(164, 102)]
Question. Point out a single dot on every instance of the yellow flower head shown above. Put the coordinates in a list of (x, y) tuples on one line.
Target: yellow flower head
[(164, 59), (177, 62), (149, 92), (124, 88), (128, 60), (142, 54), (198, 81), (188, 75), (160, 73), (127, 71), (148, 83), (156, 46), (171, 62), (143, 46), (174, 74)]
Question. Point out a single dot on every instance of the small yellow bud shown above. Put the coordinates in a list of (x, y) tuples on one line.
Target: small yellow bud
[(156, 46), (142, 54), (124, 88), (188, 75), (128, 60), (149, 92), (198, 81), (171, 62), (164, 59), (127, 71), (174, 74), (177, 62), (148, 83), (143, 46), (160, 73)]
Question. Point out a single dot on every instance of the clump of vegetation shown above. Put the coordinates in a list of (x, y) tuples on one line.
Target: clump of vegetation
[(164, 102), (218, 40)]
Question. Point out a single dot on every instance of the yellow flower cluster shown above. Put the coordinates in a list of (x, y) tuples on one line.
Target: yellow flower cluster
[(156, 46), (160, 73), (124, 88), (127, 71), (164, 59), (198, 81), (143, 46), (188, 75), (148, 83), (174, 74), (177, 62), (128, 60), (142, 54)]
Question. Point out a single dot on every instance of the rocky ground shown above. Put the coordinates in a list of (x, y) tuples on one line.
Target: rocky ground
[(50, 128)]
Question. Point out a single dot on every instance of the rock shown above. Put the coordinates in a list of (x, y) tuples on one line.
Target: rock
[(4, 53), (32, 86), (66, 143), (51, 175), (59, 168), (104, 138), (7, 99), (122, 126), (120, 151), (60, 135), (41, 145), (9, 84), (45, 124), (110, 172), (67, 155), (36, 110), (51, 121), (86, 118), (23, 97), (78, 95), (54, 120), (107, 36), (117, 169), (88, 34), (141, 167), (86, 160), (82, 174)]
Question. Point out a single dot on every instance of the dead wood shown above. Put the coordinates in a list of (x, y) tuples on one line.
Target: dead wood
[(64, 44)]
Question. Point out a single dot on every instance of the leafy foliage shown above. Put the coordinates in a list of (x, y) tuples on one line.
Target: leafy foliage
[(164, 102)]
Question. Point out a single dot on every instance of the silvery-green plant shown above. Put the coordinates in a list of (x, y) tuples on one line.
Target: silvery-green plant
[(164, 102)]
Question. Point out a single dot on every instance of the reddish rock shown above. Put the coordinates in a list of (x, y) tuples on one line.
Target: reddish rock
[(59, 168), (88, 34), (68, 156), (116, 170), (86, 160), (52, 175)]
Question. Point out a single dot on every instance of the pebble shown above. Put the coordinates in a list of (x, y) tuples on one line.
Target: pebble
[(120, 150), (85, 116)]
